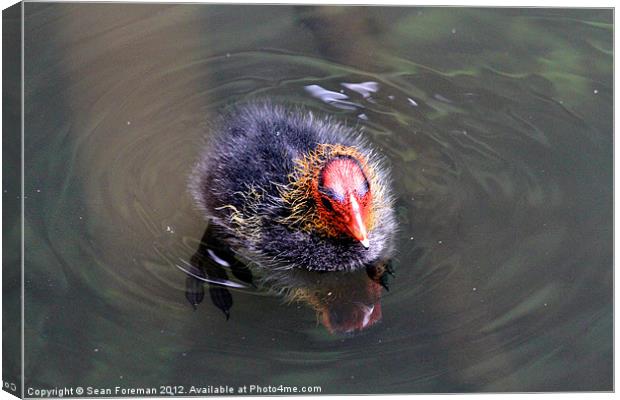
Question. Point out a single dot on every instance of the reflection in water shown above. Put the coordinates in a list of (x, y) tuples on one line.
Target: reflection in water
[(344, 301), (335, 99), (366, 89)]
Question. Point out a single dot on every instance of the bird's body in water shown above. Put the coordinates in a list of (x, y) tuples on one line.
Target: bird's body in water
[(294, 194)]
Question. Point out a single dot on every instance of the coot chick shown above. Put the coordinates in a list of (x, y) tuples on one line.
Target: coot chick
[(288, 189)]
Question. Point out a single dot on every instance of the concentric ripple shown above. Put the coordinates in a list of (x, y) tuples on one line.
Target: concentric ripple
[(504, 204)]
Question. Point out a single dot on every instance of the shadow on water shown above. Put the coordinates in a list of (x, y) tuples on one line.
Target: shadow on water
[(498, 125)]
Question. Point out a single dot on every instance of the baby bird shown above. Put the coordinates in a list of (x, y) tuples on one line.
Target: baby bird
[(287, 189)]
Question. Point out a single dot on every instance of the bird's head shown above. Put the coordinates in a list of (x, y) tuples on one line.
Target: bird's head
[(334, 192), (343, 197)]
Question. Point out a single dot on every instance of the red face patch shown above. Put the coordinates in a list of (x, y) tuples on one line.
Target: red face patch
[(345, 197), (343, 176)]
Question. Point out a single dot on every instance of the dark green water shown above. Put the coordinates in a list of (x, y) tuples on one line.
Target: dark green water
[(498, 125)]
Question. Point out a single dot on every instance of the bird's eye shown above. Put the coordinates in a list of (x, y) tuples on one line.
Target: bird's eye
[(332, 195), (327, 204)]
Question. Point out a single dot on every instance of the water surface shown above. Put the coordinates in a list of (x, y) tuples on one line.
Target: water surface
[(498, 127)]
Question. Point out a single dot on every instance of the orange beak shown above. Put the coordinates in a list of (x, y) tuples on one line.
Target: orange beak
[(356, 225)]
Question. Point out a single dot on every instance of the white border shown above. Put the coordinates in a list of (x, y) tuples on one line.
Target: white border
[(484, 3)]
